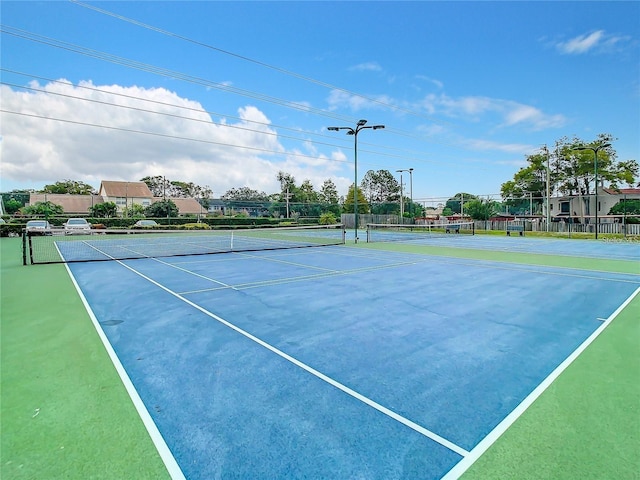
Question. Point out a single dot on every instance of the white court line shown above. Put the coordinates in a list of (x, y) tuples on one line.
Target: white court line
[(405, 421), (491, 438), (204, 277), (163, 450), (280, 281), (277, 260)]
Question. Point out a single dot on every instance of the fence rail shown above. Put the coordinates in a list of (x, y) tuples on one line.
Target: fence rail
[(562, 227)]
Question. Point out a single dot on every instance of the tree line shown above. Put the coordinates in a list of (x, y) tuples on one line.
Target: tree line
[(565, 169)]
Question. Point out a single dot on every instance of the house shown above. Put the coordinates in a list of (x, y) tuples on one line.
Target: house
[(583, 207), (71, 204), (125, 194), (186, 206), (216, 206)]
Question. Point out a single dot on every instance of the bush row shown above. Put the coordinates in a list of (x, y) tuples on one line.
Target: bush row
[(15, 226)]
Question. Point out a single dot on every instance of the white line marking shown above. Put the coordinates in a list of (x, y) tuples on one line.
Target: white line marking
[(163, 450), (277, 260), (194, 274), (405, 421), (491, 438)]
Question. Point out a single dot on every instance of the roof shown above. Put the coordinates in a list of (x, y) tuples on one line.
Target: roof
[(110, 188), (622, 191), (69, 203), (185, 205)]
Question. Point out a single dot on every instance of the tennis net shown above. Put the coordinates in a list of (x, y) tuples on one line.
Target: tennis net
[(99, 245), (384, 232)]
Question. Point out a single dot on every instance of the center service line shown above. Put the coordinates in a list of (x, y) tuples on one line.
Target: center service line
[(399, 418)]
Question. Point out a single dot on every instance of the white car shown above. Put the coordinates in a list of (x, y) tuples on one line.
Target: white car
[(38, 227), (77, 226)]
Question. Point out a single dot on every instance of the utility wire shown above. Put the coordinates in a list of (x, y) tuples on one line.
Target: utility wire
[(315, 142), (256, 62), (191, 79)]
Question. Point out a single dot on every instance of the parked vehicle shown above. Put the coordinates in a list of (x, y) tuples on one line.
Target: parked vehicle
[(77, 226), (145, 224), (38, 227)]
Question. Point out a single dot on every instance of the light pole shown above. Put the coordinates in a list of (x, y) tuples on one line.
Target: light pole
[(411, 190), (354, 131), (548, 192), (595, 167), (410, 170), (401, 196)]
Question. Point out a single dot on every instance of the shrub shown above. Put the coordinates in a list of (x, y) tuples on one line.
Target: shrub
[(327, 219), (196, 226)]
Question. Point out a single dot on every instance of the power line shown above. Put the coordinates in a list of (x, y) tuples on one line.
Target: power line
[(163, 135), (254, 61), (315, 142), (196, 80)]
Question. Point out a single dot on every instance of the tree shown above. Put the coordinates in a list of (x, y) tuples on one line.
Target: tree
[(363, 205), (245, 194), (307, 194), (455, 203), (43, 208), (12, 205), (528, 186), (480, 209), (104, 210), (72, 187), (161, 187), (135, 210), (627, 207), (15, 200), (162, 208), (288, 189), (158, 185), (380, 186), (329, 192), (571, 171)]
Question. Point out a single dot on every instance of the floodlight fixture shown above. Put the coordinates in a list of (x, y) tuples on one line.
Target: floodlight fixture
[(354, 131)]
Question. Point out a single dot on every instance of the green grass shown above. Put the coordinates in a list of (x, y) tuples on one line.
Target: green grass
[(64, 411)]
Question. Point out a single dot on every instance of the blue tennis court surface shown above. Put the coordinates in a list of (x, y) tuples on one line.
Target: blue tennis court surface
[(338, 362), (611, 250)]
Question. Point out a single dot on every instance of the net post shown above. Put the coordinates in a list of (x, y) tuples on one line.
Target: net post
[(473, 228), (24, 247), (30, 247)]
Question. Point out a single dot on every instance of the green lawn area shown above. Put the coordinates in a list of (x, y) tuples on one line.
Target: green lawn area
[(64, 411)]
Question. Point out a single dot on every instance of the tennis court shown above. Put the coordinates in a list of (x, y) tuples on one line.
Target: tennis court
[(340, 362), (440, 236)]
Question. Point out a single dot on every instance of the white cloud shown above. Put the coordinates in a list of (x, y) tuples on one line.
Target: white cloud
[(366, 67), (434, 81), (41, 151), (598, 41), (339, 99), (476, 108), (488, 145)]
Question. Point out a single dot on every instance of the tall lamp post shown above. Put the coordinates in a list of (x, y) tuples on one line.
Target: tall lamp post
[(354, 131), (410, 170), (595, 166)]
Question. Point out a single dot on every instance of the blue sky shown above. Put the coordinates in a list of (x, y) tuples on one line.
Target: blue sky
[(465, 89)]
